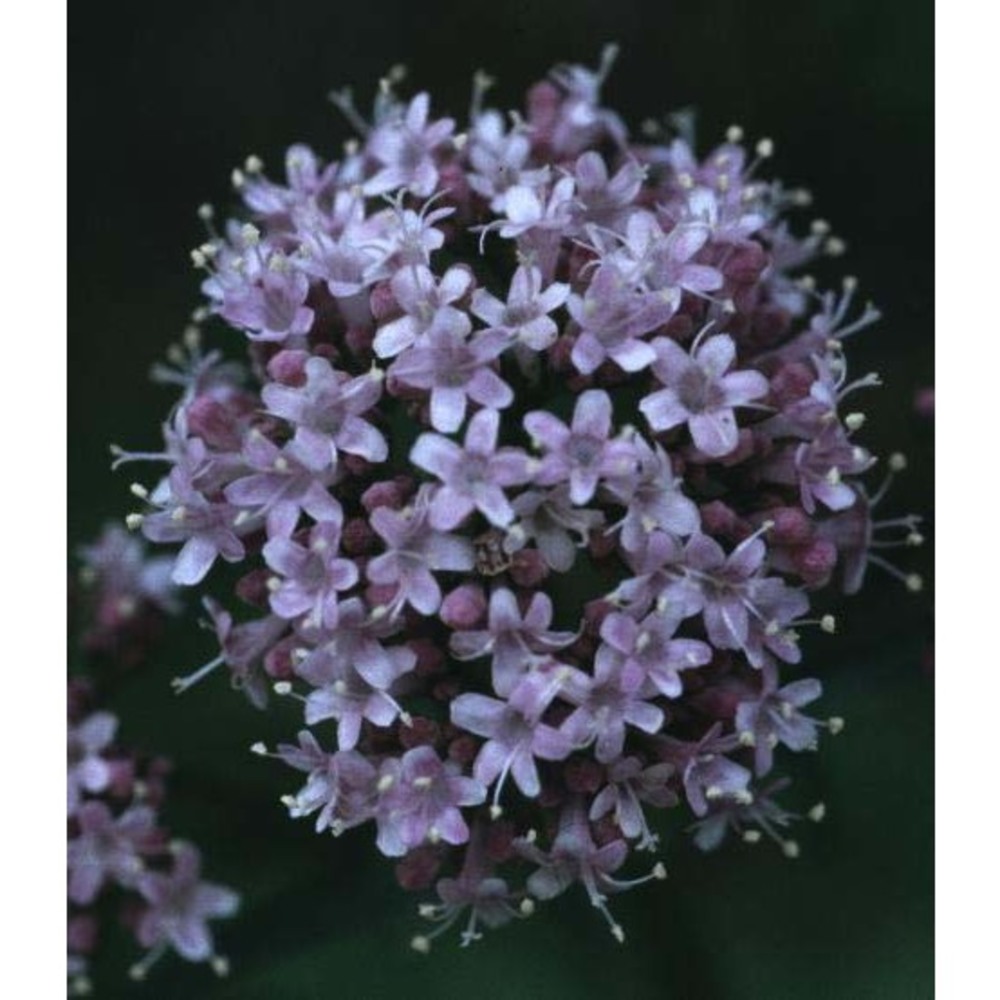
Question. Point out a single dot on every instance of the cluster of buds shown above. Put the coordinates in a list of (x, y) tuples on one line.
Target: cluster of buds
[(118, 848), (542, 447)]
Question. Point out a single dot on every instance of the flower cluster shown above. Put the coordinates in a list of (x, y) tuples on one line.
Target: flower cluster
[(542, 449), (117, 846)]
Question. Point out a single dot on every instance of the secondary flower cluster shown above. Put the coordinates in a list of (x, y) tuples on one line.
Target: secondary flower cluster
[(116, 843), (538, 456)]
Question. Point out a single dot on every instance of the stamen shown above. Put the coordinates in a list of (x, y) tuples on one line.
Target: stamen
[(181, 684)]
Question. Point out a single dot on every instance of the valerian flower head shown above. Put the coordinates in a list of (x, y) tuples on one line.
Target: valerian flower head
[(118, 851), (540, 454)]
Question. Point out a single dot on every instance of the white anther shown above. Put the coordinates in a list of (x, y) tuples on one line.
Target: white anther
[(685, 180), (178, 513), (273, 584), (198, 258), (833, 476), (253, 164), (133, 521), (283, 687), (765, 148), (819, 227), (915, 539), (659, 871), (434, 835), (897, 461), (790, 849), (421, 943), (259, 748), (385, 783), (734, 133), (220, 966), (238, 179), (743, 797), (915, 583), (850, 283), (531, 836), (807, 283), (818, 812), (527, 906), (713, 792), (205, 212), (459, 141), (835, 246), (423, 782), (835, 724), (496, 811), (618, 933), (751, 836), (250, 235), (854, 421), (138, 490), (828, 624), (747, 738)]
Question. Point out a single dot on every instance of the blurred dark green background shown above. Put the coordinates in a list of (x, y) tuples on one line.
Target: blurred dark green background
[(164, 100)]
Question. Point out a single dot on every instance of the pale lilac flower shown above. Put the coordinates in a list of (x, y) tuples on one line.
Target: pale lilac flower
[(613, 317), (524, 317), (663, 262), (208, 530), (455, 368), (653, 657), (342, 692), (310, 578), (584, 453), (699, 392), (181, 905), (774, 718), (652, 498), (605, 202), (629, 785), (499, 159), (108, 849), (117, 564), (272, 306), (243, 647), (607, 705), (581, 120), (327, 413), (425, 300), (514, 735), (87, 770), (406, 148), (280, 487), (473, 477), (414, 552), (423, 802), (340, 787), (528, 209), (711, 777), (556, 525), (516, 642)]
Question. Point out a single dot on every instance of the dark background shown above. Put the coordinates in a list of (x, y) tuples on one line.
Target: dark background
[(164, 100)]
